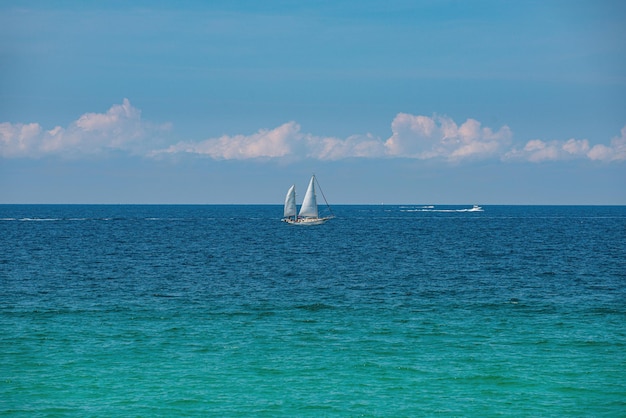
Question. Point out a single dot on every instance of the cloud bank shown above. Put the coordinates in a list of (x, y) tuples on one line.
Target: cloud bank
[(285, 141), (416, 137), (537, 150), (121, 129)]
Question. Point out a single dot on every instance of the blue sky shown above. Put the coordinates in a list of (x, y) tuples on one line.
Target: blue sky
[(425, 102)]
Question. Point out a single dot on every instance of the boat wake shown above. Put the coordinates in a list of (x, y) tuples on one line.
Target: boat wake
[(474, 208)]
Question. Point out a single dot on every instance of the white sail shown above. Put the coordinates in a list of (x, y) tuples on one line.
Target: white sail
[(290, 202), (309, 205)]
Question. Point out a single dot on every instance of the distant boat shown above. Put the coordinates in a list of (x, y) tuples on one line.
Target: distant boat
[(309, 214), (475, 208)]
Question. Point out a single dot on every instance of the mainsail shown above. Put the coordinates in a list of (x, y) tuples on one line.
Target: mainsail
[(290, 202), (309, 204)]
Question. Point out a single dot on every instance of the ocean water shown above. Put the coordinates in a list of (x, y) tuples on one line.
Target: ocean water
[(163, 311)]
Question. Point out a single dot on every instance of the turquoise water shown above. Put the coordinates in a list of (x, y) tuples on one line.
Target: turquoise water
[(383, 311)]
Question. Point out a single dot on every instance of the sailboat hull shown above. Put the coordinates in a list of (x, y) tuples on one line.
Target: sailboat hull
[(306, 221)]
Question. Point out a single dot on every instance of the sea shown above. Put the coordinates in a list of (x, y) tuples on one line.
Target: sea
[(383, 311)]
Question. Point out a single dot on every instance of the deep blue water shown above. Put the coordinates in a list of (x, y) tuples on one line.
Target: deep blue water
[(112, 310)]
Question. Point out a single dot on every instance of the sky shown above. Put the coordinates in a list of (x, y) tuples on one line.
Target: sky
[(232, 101)]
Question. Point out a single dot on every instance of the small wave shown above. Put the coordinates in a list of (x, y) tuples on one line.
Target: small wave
[(315, 307), (104, 219)]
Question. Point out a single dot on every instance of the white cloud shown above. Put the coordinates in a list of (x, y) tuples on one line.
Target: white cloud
[(537, 150), (18, 139), (615, 152), (277, 142), (355, 146), (120, 128), (285, 141), (424, 137)]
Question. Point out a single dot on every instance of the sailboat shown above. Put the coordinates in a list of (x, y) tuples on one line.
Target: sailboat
[(309, 214)]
